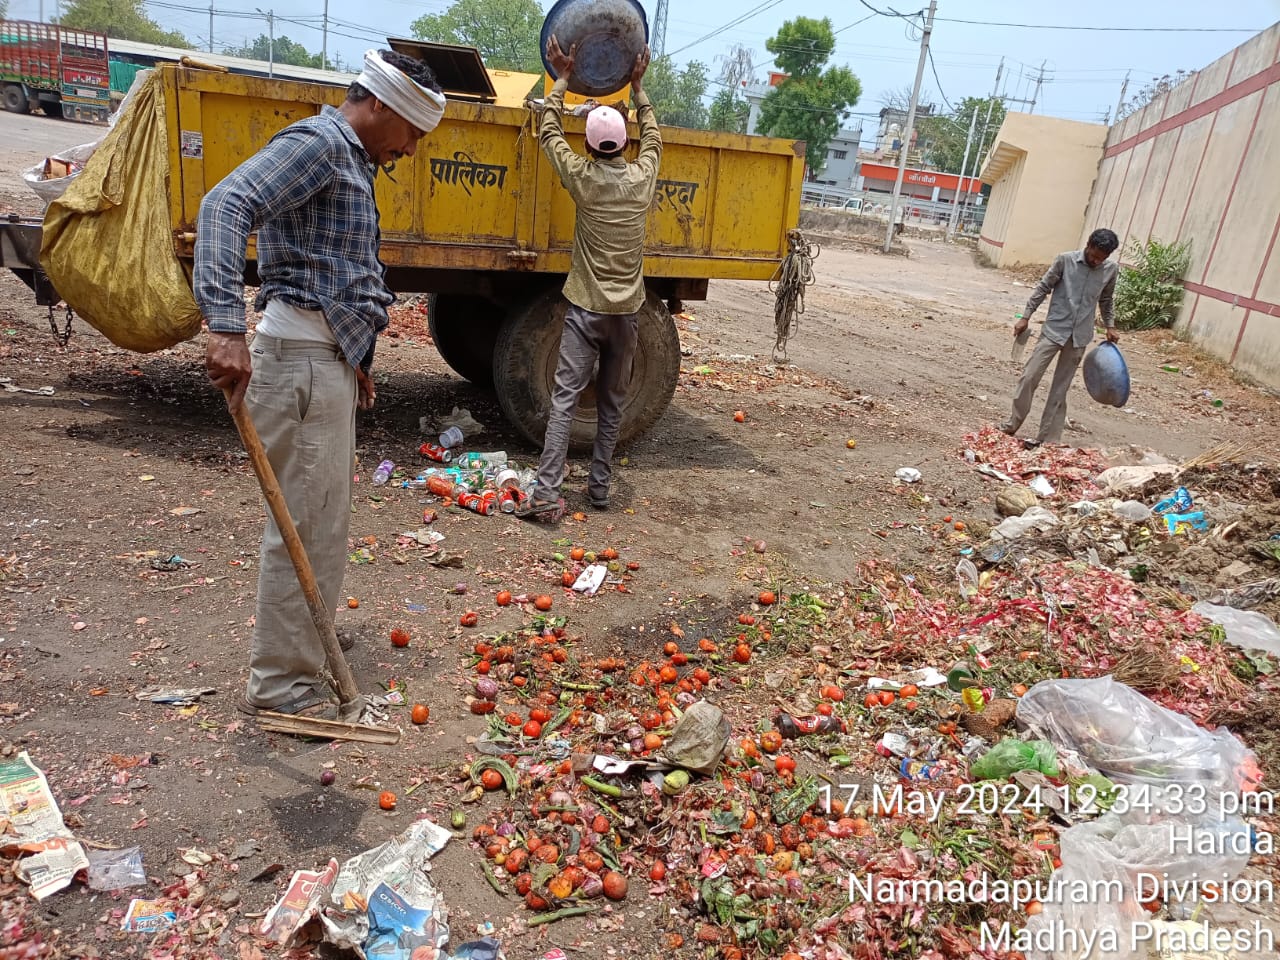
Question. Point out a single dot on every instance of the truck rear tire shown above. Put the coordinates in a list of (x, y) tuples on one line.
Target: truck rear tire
[(524, 367), (15, 99), (464, 330)]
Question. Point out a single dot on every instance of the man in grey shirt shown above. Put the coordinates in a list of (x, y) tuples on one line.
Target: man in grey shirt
[(1081, 281)]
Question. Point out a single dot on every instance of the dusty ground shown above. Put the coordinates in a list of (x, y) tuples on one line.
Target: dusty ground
[(904, 355)]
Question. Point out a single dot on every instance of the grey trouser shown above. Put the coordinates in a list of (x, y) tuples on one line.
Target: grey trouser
[(612, 338), (302, 398), (1054, 417)]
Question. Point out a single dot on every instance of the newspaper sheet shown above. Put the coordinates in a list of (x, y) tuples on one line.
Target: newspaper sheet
[(31, 826)]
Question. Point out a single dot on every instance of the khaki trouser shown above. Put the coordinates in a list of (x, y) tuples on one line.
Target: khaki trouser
[(1054, 417), (612, 338), (302, 399)]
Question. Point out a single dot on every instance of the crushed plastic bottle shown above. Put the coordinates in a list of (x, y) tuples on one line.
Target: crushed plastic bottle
[(383, 473)]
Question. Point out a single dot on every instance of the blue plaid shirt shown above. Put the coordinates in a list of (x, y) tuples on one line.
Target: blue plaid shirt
[(309, 193)]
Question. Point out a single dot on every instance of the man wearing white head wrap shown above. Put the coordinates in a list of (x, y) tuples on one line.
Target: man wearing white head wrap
[(309, 194)]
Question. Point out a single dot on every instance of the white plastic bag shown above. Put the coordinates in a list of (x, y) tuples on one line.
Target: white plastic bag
[(1134, 740), (1247, 629), (1036, 518), (1111, 865), (50, 190), (75, 157)]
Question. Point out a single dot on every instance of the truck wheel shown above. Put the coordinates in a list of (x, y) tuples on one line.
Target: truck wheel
[(464, 330), (15, 99), (524, 367)]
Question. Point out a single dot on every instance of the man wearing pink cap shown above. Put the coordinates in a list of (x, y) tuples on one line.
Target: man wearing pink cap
[(605, 288)]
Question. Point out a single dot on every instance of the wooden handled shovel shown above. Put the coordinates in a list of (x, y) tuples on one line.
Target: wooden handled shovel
[(351, 702)]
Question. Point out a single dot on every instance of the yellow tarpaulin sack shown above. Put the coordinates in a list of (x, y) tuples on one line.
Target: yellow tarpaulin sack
[(108, 242)]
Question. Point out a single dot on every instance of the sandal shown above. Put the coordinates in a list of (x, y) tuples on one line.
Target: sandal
[(542, 511), (311, 704)]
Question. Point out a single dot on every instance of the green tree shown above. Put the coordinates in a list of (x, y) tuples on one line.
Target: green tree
[(505, 32), (677, 94), (802, 46), (728, 112), (941, 140), (285, 51), (123, 19), (812, 102)]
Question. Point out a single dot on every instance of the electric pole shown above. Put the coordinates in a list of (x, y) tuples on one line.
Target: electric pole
[(982, 138), (961, 192), (1039, 80), (911, 121), (271, 40), (658, 35), (211, 28), (1124, 89), (324, 42)]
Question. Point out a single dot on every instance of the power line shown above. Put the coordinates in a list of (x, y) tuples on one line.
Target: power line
[(1057, 26), (934, 68), (754, 11)]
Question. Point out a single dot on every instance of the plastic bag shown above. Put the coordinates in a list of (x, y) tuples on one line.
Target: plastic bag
[(1111, 865), (1036, 518), (1009, 756), (108, 241), (52, 188), (74, 158), (116, 869), (1247, 629), (699, 739), (1131, 739), (1132, 511)]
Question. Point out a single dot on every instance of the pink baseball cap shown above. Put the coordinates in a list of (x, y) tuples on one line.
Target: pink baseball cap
[(606, 130)]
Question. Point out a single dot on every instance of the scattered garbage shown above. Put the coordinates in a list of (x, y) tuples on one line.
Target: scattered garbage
[(1247, 629), (1015, 501), (116, 869), (908, 474), (591, 579), (383, 473), (1117, 480), (148, 916), (699, 739), (1011, 755), (1133, 511), (1036, 518), (174, 696), (50, 856), (1041, 487), (336, 898), (1132, 739)]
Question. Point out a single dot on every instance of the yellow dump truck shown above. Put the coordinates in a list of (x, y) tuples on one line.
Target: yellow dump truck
[(478, 220)]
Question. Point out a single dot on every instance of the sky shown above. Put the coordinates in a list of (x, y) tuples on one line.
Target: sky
[(1083, 70)]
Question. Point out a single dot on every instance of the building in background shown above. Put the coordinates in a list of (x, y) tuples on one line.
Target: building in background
[(841, 168), (1041, 170)]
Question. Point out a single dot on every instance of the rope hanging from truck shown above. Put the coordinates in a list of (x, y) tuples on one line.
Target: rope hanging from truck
[(787, 286)]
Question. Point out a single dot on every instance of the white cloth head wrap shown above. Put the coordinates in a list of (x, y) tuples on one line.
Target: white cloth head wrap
[(420, 105)]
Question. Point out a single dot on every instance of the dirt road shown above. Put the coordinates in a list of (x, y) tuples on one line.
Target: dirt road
[(130, 524)]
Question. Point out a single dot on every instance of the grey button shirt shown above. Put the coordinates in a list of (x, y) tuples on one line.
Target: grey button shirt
[(1077, 290)]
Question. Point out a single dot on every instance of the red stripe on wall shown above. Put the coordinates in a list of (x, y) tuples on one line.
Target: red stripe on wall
[(1257, 285), (1249, 303), (1235, 182), (1259, 81), (994, 243)]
